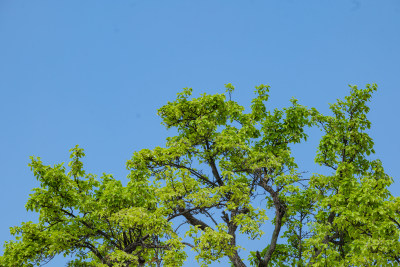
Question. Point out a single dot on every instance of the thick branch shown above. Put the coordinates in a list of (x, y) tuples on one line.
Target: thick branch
[(94, 250), (280, 210), (131, 247), (232, 227), (188, 244), (192, 220), (396, 222), (181, 212), (214, 169), (236, 260)]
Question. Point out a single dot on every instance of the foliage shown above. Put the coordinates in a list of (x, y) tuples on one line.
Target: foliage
[(101, 222), (209, 176)]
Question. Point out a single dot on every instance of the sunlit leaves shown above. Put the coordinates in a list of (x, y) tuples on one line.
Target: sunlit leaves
[(211, 176), (100, 221)]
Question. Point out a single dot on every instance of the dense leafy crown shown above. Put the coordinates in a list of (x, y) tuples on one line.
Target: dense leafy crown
[(209, 177)]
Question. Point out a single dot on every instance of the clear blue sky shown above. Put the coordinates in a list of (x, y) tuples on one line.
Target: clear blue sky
[(94, 73)]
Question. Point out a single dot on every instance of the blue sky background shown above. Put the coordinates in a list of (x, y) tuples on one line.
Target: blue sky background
[(94, 73)]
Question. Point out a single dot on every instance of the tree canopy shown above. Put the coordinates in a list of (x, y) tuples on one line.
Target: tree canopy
[(208, 177)]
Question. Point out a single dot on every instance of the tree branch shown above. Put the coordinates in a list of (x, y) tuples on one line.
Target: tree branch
[(214, 169), (280, 210), (192, 220)]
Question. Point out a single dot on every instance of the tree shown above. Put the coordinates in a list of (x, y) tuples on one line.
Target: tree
[(210, 175), (101, 222)]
